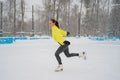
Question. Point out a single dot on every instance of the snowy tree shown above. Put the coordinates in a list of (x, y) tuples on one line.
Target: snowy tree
[(79, 17), (1, 17), (115, 19)]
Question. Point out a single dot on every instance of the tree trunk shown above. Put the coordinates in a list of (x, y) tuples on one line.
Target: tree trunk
[(79, 19), (1, 18), (22, 12), (115, 18), (33, 30), (14, 18)]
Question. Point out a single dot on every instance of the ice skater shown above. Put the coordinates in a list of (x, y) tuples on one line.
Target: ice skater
[(58, 35)]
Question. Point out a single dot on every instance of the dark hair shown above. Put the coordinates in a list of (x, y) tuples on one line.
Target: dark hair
[(56, 22), (53, 20)]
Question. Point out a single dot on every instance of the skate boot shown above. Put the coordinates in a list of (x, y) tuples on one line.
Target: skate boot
[(83, 55), (59, 68)]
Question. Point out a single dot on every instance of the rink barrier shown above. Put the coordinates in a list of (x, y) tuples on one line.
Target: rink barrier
[(6, 40), (10, 40), (19, 38), (104, 38), (37, 38)]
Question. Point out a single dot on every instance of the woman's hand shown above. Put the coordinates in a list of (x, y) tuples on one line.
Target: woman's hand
[(68, 33), (66, 42)]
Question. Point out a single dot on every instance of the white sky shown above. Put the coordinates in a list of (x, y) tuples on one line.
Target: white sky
[(1, 0), (34, 2)]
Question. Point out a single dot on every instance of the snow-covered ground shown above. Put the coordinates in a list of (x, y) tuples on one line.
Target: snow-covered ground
[(35, 60)]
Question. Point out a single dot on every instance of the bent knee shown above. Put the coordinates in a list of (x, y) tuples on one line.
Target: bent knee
[(68, 56), (56, 54)]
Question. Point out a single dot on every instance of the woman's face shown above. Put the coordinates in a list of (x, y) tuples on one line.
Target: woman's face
[(51, 23)]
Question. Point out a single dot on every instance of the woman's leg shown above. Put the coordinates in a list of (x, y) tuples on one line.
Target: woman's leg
[(59, 51), (66, 51)]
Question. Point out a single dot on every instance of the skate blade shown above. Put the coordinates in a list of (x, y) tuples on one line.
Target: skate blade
[(84, 56), (58, 70)]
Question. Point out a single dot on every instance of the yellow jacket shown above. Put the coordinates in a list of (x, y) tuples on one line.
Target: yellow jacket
[(58, 34)]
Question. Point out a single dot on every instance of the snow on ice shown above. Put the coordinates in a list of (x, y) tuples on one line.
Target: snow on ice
[(35, 60)]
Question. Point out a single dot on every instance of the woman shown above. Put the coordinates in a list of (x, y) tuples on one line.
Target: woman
[(58, 35)]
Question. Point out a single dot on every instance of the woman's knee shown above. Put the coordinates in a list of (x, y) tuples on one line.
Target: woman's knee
[(56, 53), (68, 55)]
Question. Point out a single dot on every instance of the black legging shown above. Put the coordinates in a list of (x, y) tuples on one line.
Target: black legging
[(64, 48)]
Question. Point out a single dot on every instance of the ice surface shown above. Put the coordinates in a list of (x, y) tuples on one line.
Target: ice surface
[(35, 60)]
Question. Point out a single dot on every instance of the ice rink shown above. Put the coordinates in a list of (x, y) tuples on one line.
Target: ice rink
[(35, 60)]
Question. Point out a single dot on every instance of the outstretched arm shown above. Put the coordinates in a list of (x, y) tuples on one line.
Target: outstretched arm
[(64, 33)]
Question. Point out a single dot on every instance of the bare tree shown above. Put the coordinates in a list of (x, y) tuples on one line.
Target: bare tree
[(14, 32), (79, 19), (74, 20), (115, 18), (88, 18), (1, 18), (23, 13), (33, 30)]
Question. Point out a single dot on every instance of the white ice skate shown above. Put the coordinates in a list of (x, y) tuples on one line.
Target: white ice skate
[(83, 55), (59, 68)]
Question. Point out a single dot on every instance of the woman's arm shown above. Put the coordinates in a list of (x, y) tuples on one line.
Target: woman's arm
[(64, 33)]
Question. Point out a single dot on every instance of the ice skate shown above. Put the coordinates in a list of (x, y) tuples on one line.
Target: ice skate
[(59, 68), (82, 55)]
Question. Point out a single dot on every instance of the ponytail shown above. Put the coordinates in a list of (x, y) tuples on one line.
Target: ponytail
[(57, 24)]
